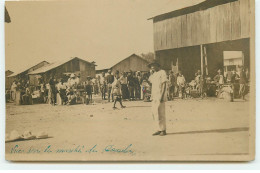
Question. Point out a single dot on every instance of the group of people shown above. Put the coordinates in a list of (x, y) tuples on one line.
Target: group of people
[(122, 86), (131, 84), (234, 78)]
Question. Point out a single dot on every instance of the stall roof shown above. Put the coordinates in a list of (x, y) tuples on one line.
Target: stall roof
[(25, 69), (54, 65), (194, 6), (107, 67)]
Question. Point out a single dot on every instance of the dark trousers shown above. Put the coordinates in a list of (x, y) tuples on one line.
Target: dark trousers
[(137, 92), (131, 92), (125, 93), (109, 89), (103, 91)]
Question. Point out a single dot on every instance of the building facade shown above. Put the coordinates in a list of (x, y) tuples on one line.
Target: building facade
[(133, 63), (74, 65), (196, 37)]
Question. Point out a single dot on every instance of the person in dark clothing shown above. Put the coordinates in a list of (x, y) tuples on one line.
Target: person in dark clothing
[(123, 82), (131, 85), (242, 83), (172, 85), (110, 80), (88, 88), (52, 83)]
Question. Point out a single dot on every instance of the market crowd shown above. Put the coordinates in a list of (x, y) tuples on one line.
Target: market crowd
[(125, 86)]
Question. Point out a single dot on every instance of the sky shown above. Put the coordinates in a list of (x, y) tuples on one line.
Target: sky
[(104, 31)]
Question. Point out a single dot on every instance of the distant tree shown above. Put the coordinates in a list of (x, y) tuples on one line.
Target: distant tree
[(148, 56)]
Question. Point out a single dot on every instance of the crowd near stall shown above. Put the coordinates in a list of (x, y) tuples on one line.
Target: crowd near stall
[(204, 48)]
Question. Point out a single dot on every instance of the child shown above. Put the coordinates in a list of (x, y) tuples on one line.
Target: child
[(116, 91)]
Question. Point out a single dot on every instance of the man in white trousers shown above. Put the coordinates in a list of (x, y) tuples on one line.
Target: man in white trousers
[(158, 79)]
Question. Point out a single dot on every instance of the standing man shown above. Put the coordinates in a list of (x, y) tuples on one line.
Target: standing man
[(158, 80), (110, 80), (242, 83), (171, 85), (181, 84), (131, 85), (123, 82), (103, 85)]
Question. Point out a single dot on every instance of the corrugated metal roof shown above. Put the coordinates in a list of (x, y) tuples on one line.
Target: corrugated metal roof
[(24, 69), (109, 67), (188, 7), (54, 65), (130, 57), (171, 6)]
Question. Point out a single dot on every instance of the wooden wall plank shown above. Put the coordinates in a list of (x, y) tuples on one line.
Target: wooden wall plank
[(183, 30), (245, 18), (226, 22), (235, 20), (213, 25), (221, 23), (206, 26), (178, 31), (189, 31)]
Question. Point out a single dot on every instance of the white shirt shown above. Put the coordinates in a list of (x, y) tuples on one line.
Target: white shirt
[(221, 79), (157, 79), (102, 80), (61, 86), (13, 87), (181, 80), (72, 81)]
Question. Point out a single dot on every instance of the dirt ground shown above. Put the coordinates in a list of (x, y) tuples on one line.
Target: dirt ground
[(195, 127)]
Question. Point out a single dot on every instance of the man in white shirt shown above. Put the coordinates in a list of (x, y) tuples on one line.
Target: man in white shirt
[(73, 80), (181, 84), (159, 97)]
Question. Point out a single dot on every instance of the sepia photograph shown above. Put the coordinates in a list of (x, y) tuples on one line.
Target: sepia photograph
[(130, 80)]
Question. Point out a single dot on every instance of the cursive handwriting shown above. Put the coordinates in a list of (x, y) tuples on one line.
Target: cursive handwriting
[(16, 149)]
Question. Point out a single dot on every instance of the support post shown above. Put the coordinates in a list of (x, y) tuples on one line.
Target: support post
[(201, 59), (206, 61)]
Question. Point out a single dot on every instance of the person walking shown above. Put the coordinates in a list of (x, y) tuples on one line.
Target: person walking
[(158, 80)]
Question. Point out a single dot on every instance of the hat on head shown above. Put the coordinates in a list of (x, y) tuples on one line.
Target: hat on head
[(72, 75), (154, 62)]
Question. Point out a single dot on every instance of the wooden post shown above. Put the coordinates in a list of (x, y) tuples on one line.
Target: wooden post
[(201, 59), (206, 61)]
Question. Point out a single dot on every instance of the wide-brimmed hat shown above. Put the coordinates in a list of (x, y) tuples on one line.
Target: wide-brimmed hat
[(72, 75), (154, 62)]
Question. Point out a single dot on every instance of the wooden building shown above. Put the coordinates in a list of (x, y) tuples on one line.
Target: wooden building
[(23, 74), (195, 37), (8, 82), (133, 62), (58, 69)]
